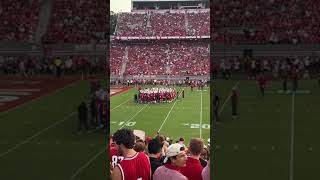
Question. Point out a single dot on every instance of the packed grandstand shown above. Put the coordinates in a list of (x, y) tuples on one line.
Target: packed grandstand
[(161, 43), (265, 22)]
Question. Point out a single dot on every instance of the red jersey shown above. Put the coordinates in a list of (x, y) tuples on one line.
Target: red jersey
[(135, 168), (193, 169), (115, 159)]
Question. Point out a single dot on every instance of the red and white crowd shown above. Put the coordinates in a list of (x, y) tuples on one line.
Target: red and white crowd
[(164, 23), (270, 21), (172, 58), (77, 21), (162, 94), (19, 20)]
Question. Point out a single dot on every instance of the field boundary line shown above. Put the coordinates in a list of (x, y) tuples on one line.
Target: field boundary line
[(292, 138), (88, 163), (37, 134), (225, 102)]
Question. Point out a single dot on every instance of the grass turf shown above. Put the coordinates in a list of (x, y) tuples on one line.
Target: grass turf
[(182, 117), (257, 145), (50, 153)]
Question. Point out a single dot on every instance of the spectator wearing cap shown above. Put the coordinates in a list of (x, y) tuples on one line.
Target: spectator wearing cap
[(154, 149), (174, 161), (193, 168)]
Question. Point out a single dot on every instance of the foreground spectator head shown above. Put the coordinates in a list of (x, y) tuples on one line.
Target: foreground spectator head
[(124, 139), (196, 146), (176, 155), (154, 147), (139, 146)]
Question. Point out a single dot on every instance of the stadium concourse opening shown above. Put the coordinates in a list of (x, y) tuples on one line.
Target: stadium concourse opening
[(161, 51)]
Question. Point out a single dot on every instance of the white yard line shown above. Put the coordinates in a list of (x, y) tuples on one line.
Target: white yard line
[(36, 135), (120, 104), (124, 124), (225, 102), (88, 163), (164, 121), (201, 117), (292, 139)]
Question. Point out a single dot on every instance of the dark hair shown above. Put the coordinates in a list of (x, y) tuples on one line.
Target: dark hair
[(181, 139), (125, 137), (154, 146), (196, 146)]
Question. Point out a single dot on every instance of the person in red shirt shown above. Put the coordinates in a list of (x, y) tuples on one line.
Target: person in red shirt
[(193, 169), (114, 157), (135, 165), (262, 83)]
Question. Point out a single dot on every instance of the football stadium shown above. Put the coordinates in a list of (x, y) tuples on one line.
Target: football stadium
[(160, 72), (266, 69), (50, 64)]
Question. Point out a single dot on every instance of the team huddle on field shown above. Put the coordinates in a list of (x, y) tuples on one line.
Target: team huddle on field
[(163, 94)]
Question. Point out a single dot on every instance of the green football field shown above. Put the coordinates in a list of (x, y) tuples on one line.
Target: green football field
[(276, 138), (186, 117), (38, 140)]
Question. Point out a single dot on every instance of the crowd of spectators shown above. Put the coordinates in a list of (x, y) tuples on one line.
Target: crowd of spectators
[(19, 20), (117, 52), (77, 21), (93, 115), (173, 58), (170, 23), (28, 66), (308, 67), (168, 159), (271, 21)]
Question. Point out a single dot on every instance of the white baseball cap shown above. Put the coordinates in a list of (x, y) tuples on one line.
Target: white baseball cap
[(173, 150)]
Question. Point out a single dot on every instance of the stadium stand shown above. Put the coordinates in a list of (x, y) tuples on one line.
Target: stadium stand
[(77, 21), (19, 20), (176, 57), (262, 22), (164, 23)]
